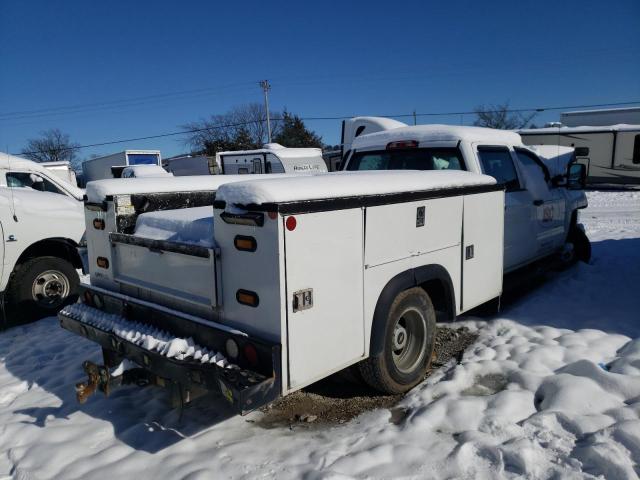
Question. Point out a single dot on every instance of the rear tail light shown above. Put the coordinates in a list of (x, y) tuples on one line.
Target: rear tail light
[(402, 144), (245, 244), (246, 297), (102, 262), (98, 224), (250, 354)]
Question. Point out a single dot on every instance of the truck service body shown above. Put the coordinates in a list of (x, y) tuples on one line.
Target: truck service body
[(296, 278), (101, 168)]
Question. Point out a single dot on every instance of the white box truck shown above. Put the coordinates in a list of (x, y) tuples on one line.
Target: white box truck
[(104, 167)]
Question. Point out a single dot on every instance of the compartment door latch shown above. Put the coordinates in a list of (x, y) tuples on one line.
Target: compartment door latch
[(302, 299)]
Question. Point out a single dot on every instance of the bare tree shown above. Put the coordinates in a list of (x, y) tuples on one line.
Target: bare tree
[(241, 127), (499, 116), (52, 146)]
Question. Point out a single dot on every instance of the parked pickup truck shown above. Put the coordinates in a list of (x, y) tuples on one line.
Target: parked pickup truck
[(41, 224), (543, 184), (302, 277), (292, 279)]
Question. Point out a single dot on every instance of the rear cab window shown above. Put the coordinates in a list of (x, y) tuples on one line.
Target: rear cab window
[(497, 162), (407, 159)]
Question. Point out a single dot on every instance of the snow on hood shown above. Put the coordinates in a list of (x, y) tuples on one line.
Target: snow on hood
[(345, 184)]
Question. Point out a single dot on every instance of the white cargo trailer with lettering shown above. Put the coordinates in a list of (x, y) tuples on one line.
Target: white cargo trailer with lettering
[(301, 277)]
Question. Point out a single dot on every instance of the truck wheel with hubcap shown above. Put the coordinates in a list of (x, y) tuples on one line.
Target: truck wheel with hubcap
[(409, 340), (42, 285)]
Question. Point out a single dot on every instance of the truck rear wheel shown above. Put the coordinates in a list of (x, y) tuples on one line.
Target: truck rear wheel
[(43, 285), (408, 344)]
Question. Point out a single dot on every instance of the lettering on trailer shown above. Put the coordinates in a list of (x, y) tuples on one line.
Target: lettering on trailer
[(306, 167)]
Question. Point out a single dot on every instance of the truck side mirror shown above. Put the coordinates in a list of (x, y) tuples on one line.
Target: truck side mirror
[(582, 151), (576, 176)]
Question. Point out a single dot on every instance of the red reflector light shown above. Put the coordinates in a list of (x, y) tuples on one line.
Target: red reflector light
[(402, 144), (102, 262), (291, 223), (272, 215), (98, 224), (250, 354), (246, 297)]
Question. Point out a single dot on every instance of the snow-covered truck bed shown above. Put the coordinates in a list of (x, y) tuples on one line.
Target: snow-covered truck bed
[(303, 277)]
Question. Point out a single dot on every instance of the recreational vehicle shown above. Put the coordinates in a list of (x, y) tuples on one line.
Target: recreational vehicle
[(272, 158), (611, 154)]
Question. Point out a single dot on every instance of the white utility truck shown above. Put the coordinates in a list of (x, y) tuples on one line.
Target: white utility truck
[(610, 153), (42, 224), (271, 158), (111, 166), (287, 280), (541, 205)]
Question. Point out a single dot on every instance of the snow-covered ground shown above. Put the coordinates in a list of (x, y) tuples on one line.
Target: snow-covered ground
[(550, 389)]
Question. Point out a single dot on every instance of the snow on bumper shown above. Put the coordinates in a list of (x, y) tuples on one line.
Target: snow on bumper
[(180, 360)]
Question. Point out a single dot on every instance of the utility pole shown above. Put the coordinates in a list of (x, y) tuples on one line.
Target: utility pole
[(265, 88), (415, 120)]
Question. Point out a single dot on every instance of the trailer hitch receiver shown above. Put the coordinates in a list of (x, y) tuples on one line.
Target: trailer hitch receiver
[(98, 379)]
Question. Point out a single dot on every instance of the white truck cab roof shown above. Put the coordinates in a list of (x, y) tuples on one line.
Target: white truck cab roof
[(11, 162), (436, 133)]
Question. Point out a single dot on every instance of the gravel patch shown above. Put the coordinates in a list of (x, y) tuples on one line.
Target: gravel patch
[(343, 396)]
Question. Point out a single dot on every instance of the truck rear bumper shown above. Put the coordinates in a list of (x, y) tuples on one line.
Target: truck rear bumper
[(244, 387)]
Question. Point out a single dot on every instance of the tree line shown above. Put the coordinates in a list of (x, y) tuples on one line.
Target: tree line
[(245, 128)]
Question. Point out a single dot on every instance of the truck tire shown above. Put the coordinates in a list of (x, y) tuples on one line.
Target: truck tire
[(581, 244), (409, 339), (41, 286)]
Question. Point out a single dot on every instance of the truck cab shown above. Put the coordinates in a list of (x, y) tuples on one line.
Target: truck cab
[(42, 224), (540, 203)]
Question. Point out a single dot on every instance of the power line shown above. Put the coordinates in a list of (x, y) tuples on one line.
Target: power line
[(344, 117)]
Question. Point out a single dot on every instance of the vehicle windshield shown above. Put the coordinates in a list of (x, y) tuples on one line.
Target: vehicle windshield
[(408, 159)]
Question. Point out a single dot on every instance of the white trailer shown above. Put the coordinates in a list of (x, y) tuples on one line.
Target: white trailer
[(101, 168), (272, 158), (190, 165), (62, 170), (611, 154), (601, 117)]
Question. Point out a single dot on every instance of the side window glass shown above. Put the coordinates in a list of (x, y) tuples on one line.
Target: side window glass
[(497, 163), (31, 180)]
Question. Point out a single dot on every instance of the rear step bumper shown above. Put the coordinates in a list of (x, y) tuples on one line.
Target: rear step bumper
[(245, 388)]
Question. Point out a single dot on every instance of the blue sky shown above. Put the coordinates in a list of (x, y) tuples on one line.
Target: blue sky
[(327, 58)]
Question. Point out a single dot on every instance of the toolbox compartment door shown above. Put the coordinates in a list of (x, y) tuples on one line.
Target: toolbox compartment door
[(482, 248), (324, 270)]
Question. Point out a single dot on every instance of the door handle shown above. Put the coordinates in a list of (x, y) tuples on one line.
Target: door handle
[(12, 238), (537, 203)]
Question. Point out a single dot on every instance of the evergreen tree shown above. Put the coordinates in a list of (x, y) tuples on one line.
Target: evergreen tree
[(294, 133)]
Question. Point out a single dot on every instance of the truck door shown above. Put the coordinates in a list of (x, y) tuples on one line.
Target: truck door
[(548, 203), (324, 283), (519, 235)]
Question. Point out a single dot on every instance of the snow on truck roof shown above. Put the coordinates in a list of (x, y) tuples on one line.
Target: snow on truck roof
[(279, 151), (434, 133), (98, 190), (344, 185)]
